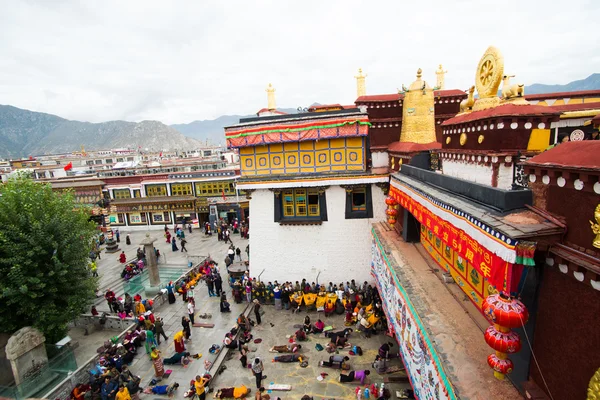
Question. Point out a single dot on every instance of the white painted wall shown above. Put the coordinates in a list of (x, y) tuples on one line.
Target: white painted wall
[(338, 248), (505, 175), (379, 159), (470, 172)]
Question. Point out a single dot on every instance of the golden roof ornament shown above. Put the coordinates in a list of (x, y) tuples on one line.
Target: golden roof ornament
[(361, 88), (487, 79), (440, 74), (596, 227), (418, 116), (271, 105)]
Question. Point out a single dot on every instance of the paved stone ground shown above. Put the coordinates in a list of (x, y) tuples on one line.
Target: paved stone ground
[(303, 380), (199, 246)]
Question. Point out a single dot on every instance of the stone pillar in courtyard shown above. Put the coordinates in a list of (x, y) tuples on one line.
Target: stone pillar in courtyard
[(151, 264), (26, 352)]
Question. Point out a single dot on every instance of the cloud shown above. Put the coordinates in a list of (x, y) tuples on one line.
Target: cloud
[(182, 61)]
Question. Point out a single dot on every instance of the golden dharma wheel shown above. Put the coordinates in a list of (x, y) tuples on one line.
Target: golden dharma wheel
[(489, 73)]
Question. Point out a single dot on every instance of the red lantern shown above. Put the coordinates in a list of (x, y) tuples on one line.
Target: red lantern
[(390, 201), (391, 221), (504, 342), (504, 313), (501, 310), (500, 366), (392, 212)]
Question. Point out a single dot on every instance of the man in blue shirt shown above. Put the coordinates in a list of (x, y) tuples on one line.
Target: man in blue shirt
[(109, 389)]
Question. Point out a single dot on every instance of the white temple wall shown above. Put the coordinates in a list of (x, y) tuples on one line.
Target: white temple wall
[(339, 249), (477, 173)]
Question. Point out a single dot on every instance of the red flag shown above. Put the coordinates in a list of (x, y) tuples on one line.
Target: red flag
[(160, 155), (68, 167), (223, 194)]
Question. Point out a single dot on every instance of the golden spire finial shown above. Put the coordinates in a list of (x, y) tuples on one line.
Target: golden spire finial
[(271, 97), (361, 88), (440, 73), (419, 73)]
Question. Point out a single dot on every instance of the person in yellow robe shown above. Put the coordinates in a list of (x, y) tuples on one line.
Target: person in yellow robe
[(123, 393)]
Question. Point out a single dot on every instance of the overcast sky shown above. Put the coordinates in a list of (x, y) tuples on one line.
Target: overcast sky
[(136, 60)]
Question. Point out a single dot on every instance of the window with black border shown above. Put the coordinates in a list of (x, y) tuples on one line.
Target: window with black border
[(359, 203), (300, 205)]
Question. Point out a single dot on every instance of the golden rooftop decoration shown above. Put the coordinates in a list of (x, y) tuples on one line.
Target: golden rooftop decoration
[(440, 73), (361, 88), (487, 79), (593, 392), (596, 227), (271, 97), (418, 116)]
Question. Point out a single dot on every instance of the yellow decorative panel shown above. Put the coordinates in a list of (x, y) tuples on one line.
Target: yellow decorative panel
[(262, 149), (591, 100), (262, 161), (559, 102), (579, 101), (354, 142), (321, 144), (290, 146), (539, 139), (246, 150), (307, 145), (337, 143), (276, 148), (346, 154)]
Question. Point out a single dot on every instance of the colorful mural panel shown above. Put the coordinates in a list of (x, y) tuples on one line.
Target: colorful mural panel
[(423, 365)]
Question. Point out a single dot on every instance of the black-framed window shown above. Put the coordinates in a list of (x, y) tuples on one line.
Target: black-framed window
[(300, 205), (359, 202)]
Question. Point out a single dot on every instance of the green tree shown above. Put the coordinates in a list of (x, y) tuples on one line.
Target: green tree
[(45, 242)]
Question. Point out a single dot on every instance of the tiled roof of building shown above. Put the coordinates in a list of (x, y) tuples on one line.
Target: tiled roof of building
[(575, 107), (571, 155), (501, 111), (398, 96), (562, 95)]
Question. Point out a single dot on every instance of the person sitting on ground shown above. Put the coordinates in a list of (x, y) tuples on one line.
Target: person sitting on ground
[(300, 335), (379, 364), (332, 335), (384, 351), (335, 359), (359, 375), (178, 358), (289, 358), (318, 327), (329, 308), (306, 327), (232, 392), (169, 390), (243, 322), (231, 343), (286, 348)]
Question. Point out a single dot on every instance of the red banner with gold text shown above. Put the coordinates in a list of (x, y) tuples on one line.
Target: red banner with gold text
[(492, 267)]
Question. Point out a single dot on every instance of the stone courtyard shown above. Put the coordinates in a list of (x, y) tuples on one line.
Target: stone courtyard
[(276, 325)]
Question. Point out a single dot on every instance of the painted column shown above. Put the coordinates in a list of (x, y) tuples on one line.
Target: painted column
[(151, 264)]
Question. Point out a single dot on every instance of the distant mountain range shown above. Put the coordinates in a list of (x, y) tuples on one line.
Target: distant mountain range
[(592, 82), (24, 133), (212, 129)]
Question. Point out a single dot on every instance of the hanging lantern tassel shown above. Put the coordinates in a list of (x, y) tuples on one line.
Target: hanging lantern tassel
[(505, 313)]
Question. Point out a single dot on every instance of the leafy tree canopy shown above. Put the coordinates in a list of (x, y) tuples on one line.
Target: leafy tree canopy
[(44, 246)]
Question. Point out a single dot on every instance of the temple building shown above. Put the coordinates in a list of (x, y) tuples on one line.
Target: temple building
[(461, 209), (312, 193), (566, 183)]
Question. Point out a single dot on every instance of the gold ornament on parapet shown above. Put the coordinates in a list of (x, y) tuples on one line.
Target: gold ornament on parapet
[(467, 104), (593, 392), (440, 73), (487, 79), (596, 227)]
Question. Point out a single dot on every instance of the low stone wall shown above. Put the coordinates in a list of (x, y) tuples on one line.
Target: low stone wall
[(64, 388), (92, 323)]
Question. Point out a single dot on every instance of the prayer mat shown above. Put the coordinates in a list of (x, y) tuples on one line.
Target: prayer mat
[(279, 387), (167, 373), (328, 328), (198, 325), (257, 341)]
